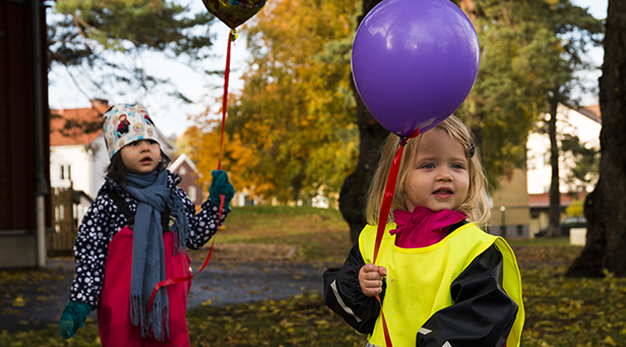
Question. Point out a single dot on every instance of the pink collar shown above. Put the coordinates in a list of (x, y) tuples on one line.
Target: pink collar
[(423, 227)]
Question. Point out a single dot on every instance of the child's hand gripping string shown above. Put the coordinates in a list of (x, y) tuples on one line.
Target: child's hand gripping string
[(371, 279), (221, 186)]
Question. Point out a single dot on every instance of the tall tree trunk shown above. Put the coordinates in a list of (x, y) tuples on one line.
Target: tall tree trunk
[(371, 136), (605, 208), (554, 211)]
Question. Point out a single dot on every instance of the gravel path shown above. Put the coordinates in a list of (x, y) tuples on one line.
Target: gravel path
[(223, 282)]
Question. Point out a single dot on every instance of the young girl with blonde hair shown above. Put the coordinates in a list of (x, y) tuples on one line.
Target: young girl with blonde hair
[(441, 280)]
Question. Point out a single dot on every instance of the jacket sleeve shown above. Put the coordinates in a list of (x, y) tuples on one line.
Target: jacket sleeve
[(101, 221), (204, 224), (482, 314), (343, 295)]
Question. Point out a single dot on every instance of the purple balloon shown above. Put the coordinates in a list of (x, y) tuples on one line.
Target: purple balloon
[(414, 62)]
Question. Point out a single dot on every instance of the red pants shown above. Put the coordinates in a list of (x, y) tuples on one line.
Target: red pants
[(116, 329)]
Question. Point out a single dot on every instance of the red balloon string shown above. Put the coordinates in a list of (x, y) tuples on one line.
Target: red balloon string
[(384, 215), (385, 329), (389, 190), (231, 37)]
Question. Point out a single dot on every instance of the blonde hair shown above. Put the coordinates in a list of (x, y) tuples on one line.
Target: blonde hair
[(475, 205)]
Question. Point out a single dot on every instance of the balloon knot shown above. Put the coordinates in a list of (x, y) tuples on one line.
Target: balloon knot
[(233, 35), (404, 139)]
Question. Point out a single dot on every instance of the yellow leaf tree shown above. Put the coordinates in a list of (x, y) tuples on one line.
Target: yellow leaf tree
[(202, 145), (294, 113)]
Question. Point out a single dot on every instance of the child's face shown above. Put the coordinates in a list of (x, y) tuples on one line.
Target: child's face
[(141, 157), (439, 176)]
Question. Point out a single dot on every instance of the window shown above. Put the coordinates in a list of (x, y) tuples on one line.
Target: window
[(192, 193), (69, 172), (183, 171)]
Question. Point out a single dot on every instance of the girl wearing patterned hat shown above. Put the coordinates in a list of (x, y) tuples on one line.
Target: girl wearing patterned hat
[(135, 235)]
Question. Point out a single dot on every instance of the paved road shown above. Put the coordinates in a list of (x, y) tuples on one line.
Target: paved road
[(224, 283)]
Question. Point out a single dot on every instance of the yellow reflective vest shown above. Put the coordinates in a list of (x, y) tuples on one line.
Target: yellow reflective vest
[(419, 279)]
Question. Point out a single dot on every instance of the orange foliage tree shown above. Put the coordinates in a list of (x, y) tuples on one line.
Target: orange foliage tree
[(202, 143), (291, 134)]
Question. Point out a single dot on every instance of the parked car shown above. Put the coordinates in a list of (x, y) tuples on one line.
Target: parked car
[(566, 224)]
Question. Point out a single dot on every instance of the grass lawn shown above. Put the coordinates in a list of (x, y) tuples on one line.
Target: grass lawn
[(321, 235), (559, 311)]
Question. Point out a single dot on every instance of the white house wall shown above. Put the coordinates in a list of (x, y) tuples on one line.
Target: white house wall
[(539, 170), (87, 166), (100, 160), (76, 157)]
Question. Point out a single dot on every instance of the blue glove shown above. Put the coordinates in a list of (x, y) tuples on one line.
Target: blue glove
[(221, 185), (73, 317)]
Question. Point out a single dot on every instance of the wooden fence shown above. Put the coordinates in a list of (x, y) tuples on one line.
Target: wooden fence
[(61, 241)]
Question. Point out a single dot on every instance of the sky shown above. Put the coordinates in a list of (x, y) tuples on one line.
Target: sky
[(598, 9), (172, 119)]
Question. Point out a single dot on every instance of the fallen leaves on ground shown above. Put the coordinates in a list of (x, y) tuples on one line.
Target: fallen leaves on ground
[(563, 311), (560, 312), (300, 321)]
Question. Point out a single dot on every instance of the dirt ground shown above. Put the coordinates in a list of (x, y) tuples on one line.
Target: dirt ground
[(236, 273)]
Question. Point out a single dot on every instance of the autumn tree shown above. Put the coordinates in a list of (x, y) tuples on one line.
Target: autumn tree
[(294, 111), (605, 207), (202, 143), (527, 48), (566, 60), (101, 43)]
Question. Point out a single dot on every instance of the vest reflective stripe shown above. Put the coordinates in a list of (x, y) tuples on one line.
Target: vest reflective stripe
[(345, 307), (368, 344), (416, 289)]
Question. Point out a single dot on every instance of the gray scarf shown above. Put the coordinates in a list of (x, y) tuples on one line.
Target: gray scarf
[(148, 266)]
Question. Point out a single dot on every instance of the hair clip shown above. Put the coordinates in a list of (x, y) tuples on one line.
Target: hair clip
[(472, 148)]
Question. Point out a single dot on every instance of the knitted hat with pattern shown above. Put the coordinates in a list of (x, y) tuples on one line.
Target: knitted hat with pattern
[(126, 123)]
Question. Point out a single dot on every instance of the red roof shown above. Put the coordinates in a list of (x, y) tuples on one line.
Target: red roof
[(593, 112), (78, 126), (593, 109), (543, 200)]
